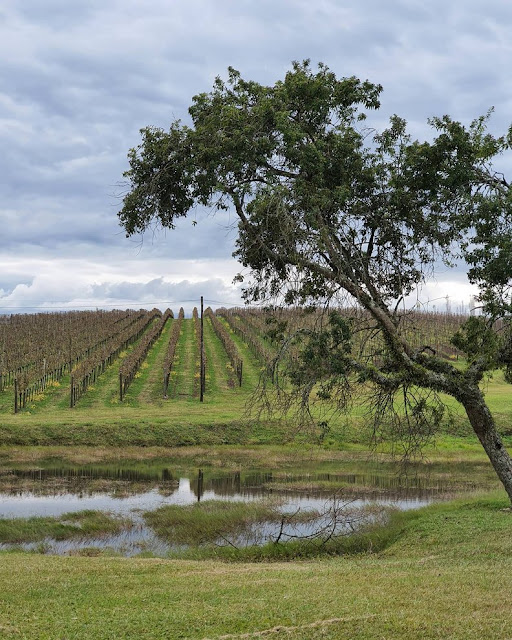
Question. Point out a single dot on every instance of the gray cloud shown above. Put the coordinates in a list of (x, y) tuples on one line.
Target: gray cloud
[(41, 294), (169, 294), (78, 80)]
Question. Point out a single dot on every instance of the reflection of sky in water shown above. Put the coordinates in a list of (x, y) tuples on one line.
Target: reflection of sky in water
[(140, 538), (29, 504)]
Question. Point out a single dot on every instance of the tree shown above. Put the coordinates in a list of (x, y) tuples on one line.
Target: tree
[(327, 205)]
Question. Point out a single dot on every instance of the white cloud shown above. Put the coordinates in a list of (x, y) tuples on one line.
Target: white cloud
[(78, 80)]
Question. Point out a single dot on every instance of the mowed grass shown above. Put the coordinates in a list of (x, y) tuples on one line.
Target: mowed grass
[(145, 418), (445, 572), (221, 419)]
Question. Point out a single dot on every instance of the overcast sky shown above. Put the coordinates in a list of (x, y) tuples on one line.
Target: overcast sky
[(79, 79)]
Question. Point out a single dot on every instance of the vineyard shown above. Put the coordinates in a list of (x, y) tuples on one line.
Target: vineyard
[(82, 360)]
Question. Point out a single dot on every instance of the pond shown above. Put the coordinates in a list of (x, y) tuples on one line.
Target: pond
[(160, 507)]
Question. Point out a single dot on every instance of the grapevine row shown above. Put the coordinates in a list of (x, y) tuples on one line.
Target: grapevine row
[(43, 347), (228, 344), (171, 349), (38, 349), (201, 364), (246, 333), (29, 340), (100, 354), (133, 361), (432, 330), (90, 369)]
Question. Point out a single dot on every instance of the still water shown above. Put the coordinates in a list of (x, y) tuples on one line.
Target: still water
[(57, 490), (53, 494)]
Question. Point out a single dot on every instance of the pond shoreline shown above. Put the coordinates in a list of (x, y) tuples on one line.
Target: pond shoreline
[(34, 486)]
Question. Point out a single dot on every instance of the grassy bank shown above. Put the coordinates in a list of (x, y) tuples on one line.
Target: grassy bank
[(446, 572), (451, 457), (221, 419)]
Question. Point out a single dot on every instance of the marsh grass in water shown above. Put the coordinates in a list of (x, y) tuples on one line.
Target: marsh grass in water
[(455, 464), (378, 527), (265, 530), (208, 521), (70, 525)]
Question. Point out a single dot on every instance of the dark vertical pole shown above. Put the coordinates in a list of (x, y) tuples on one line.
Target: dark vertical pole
[(15, 395), (120, 386), (71, 394), (199, 485), (201, 373)]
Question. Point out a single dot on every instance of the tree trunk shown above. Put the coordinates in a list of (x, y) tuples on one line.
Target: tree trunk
[(485, 428)]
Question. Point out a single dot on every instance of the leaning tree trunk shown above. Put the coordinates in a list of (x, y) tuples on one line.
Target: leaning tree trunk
[(484, 426)]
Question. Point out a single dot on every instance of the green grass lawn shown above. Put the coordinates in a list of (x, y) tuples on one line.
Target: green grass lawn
[(221, 419), (146, 419), (446, 572), (442, 572)]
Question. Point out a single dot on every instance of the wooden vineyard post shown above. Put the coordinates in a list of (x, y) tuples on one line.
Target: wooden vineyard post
[(71, 394), (120, 386), (15, 395), (201, 367)]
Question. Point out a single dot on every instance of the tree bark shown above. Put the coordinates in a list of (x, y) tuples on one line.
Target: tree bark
[(485, 428)]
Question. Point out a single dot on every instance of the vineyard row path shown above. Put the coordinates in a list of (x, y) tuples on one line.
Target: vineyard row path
[(147, 387)]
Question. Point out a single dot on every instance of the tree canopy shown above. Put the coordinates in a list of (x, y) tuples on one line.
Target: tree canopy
[(326, 204)]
